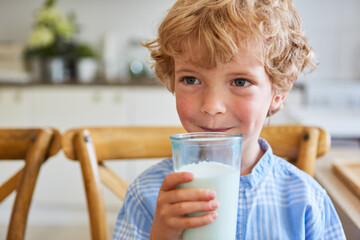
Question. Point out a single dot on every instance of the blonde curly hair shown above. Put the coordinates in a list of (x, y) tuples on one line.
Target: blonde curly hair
[(218, 28)]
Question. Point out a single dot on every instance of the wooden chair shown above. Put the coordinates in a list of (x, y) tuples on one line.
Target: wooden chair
[(300, 145), (92, 146), (33, 146)]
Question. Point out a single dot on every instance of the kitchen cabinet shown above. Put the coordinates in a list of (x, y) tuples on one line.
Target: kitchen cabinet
[(69, 106), (13, 107)]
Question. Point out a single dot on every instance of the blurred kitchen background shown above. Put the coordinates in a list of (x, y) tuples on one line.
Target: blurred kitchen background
[(88, 69)]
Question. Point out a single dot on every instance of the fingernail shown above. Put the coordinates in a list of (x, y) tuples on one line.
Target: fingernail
[(211, 194), (213, 215), (214, 204)]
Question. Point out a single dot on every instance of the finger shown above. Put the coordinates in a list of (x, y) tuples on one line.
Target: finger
[(183, 208), (189, 194), (194, 222), (173, 179)]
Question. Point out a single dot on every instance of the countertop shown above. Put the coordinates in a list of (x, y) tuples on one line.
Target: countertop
[(346, 202)]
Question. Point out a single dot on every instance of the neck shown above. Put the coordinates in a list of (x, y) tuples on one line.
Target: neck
[(250, 155)]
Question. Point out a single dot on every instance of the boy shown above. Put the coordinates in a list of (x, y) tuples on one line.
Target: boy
[(230, 64)]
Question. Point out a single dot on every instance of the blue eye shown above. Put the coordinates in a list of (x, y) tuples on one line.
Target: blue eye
[(191, 80), (240, 82)]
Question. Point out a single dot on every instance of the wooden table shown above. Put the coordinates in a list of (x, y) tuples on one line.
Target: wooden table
[(346, 202)]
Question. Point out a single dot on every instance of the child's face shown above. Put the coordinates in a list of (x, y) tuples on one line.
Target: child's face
[(233, 97)]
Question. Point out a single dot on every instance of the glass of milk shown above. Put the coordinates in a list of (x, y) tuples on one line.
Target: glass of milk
[(214, 158)]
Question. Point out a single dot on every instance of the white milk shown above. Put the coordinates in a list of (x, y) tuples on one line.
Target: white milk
[(224, 180)]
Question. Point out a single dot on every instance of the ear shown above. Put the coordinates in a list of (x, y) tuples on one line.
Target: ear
[(277, 101)]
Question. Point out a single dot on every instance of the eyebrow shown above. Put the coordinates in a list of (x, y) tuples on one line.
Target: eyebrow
[(245, 74), (185, 70)]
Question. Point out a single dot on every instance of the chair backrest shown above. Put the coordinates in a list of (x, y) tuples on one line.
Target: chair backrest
[(92, 146), (33, 146), (300, 145)]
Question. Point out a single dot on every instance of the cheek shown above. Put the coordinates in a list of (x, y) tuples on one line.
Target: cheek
[(245, 112), (184, 106), (251, 112)]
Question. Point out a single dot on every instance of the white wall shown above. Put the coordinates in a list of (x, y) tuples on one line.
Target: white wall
[(332, 26), (95, 18)]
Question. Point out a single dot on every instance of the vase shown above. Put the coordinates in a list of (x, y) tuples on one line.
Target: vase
[(35, 67), (56, 70), (86, 70)]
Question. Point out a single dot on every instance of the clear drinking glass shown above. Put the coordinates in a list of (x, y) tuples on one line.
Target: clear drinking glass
[(214, 159)]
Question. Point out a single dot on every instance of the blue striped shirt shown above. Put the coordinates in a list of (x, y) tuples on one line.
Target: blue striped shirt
[(276, 201)]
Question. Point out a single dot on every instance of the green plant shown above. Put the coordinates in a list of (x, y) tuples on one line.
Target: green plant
[(84, 50), (52, 33)]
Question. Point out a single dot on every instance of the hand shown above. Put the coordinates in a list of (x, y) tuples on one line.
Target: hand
[(173, 204)]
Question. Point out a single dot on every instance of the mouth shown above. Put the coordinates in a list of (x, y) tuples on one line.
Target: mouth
[(215, 129)]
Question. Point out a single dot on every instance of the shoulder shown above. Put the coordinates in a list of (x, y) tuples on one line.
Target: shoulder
[(143, 191), (163, 168), (307, 198), (286, 173), (146, 186), (286, 176), (135, 218), (152, 178)]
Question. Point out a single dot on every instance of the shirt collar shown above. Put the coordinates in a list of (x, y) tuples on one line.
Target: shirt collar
[(260, 170)]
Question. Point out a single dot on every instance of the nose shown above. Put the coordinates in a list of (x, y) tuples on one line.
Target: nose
[(213, 103)]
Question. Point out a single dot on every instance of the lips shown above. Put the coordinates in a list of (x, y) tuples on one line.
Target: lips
[(215, 129)]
